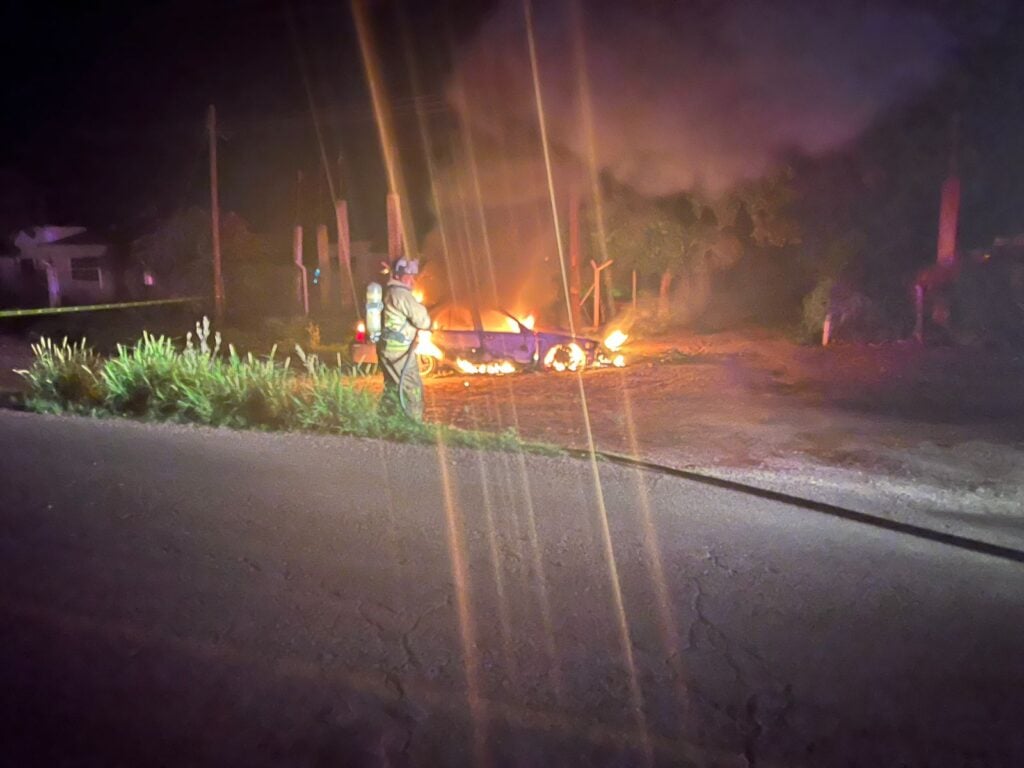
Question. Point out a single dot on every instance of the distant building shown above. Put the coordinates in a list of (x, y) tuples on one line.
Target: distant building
[(52, 266)]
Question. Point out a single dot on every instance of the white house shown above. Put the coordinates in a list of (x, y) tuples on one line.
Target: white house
[(58, 265)]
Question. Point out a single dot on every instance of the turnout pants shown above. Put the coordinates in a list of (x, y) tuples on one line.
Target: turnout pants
[(391, 365)]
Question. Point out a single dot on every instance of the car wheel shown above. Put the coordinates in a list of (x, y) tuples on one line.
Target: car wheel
[(427, 364)]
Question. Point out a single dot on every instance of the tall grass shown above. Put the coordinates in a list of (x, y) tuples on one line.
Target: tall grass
[(64, 377), (203, 383)]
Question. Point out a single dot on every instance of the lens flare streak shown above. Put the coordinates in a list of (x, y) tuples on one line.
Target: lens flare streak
[(463, 602), (616, 586)]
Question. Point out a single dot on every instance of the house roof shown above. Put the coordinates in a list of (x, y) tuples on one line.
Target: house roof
[(89, 237), (34, 237)]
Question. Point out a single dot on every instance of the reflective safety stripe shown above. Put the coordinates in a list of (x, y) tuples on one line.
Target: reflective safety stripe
[(395, 342), (395, 323)]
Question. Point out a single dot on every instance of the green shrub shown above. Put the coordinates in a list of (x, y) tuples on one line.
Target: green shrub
[(815, 308), (64, 377), (202, 384)]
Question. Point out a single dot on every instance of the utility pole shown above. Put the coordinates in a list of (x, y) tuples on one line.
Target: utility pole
[(327, 281), (574, 260), (302, 280), (218, 276), (345, 255)]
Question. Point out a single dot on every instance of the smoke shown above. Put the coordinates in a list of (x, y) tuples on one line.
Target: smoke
[(697, 95), (701, 94)]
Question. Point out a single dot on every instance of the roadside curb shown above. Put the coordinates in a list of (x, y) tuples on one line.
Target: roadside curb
[(821, 507)]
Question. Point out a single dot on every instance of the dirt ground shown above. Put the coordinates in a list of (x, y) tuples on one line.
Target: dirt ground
[(932, 435)]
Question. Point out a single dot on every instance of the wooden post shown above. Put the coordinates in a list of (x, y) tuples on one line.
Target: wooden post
[(574, 259), (345, 256), (634, 290), (609, 295), (949, 204), (218, 277), (323, 261), (598, 269), (949, 210), (53, 291), (302, 289)]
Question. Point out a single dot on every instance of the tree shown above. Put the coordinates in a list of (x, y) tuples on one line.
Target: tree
[(643, 236), (684, 239), (762, 211), (665, 238), (178, 253)]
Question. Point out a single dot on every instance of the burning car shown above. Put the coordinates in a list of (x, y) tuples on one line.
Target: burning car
[(494, 341)]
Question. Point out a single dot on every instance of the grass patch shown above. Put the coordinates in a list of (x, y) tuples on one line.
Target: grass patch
[(204, 383)]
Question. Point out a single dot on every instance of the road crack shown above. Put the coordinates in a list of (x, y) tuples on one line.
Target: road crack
[(390, 630)]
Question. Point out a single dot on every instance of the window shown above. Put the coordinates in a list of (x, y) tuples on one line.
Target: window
[(86, 269)]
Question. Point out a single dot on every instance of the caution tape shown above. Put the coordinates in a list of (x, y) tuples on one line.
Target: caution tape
[(95, 307)]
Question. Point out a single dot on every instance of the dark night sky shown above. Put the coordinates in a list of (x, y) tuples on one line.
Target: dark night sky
[(105, 103)]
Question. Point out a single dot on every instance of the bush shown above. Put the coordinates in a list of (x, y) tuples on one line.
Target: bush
[(815, 309), (154, 379), (64, 377)]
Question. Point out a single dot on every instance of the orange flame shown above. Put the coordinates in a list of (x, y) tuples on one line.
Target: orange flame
[(497, 368), (426, 347), (615, 340), (566, 357)]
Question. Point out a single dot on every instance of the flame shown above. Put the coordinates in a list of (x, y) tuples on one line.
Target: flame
[(418, 295), (426, 347), (572, 357), (524, 322), (497, 368), (619, 361), (512, 324), (615, 340)]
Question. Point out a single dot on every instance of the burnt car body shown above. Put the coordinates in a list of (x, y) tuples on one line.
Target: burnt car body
[(495, 336), (523, 346)]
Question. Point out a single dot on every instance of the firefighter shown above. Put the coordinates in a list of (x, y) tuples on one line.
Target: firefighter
[(403, 317)]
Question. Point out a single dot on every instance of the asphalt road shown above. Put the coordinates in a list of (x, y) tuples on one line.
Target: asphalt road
[(182, 596)]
